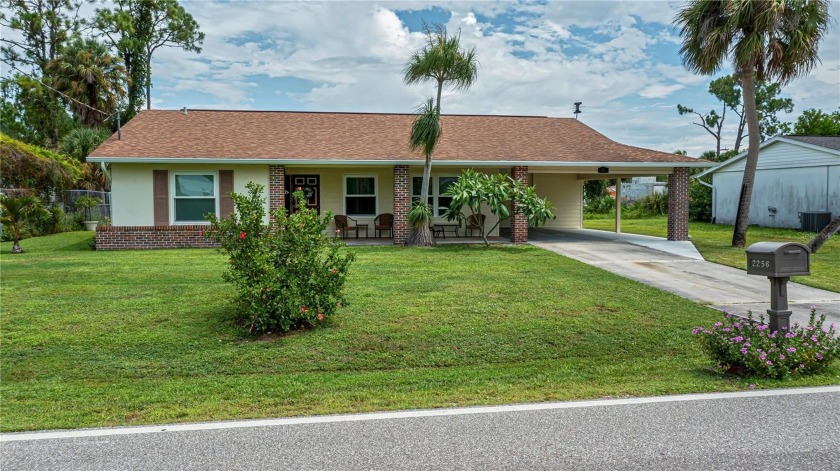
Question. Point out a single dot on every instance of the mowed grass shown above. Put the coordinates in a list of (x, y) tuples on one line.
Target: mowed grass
[(138, 337), (714, 241)]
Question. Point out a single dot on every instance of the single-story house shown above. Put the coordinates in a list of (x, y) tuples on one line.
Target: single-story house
[(794, 175), (168, 168)]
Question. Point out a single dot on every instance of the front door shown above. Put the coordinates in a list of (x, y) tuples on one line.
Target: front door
[(310, 185)]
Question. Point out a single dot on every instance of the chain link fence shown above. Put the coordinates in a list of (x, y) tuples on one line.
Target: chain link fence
[(99, 212)]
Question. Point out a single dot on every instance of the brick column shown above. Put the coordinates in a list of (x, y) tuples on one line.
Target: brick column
[(402, 202), (276, 188), (678, 204), (518, 221)]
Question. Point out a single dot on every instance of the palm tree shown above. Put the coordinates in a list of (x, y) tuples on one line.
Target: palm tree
[(14, 212), (765, 40), (444, 62), (86, 72)]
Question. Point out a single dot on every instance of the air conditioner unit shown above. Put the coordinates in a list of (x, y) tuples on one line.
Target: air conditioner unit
[(814, 221)]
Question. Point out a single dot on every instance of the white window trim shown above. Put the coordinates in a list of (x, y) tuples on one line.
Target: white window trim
[(435, 194), (344, 194), (172, 196)]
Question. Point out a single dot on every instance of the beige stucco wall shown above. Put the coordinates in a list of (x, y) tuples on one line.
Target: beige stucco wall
[(132, 194), (566, 192)]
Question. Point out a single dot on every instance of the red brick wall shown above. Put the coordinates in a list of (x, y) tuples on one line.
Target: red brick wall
[(402, 202), (678, 204), (518, 221), (150, 237), (276, 188)]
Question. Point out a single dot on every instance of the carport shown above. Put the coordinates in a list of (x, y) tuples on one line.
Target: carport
[(562, 184)]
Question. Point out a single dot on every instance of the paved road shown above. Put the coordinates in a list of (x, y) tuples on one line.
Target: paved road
[(782, 429), (678, 268)]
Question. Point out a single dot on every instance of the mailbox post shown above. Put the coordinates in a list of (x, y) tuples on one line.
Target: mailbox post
[(778, 261)]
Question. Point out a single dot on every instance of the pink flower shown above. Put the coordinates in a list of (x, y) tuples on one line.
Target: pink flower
[(751, 386), (791, 350), (743, 351), (320, 316), (242, 235), (303, 309), (781, 357), (334, 271)]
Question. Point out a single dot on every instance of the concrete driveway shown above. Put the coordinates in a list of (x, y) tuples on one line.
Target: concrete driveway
[(678, 267)]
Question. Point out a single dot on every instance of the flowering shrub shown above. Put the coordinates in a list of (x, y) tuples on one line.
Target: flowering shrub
[(287, 275), (750, 346)]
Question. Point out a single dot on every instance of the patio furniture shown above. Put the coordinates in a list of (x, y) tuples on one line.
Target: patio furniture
[(436, 231), (442, 228), (474, 223), (384, 222), (342, 224)]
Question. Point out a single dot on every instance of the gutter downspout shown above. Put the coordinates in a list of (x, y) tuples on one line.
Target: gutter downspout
[(104, 167)]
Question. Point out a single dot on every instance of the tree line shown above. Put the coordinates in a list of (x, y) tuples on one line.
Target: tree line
[(73, 76)]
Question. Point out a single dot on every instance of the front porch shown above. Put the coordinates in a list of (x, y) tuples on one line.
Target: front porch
[(361, 192)]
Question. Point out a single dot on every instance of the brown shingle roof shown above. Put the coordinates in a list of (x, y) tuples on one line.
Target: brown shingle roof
[(366, 137)]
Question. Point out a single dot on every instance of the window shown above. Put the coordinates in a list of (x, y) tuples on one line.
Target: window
[(437, 186), (444, 201), (194, 196), (360, 196)]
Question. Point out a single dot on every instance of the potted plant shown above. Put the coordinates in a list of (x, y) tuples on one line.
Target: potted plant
[(85, 203)]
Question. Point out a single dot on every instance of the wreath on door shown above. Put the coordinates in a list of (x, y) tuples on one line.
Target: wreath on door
[(308, 193)]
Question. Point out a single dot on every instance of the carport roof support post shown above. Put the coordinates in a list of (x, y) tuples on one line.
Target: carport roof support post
[(678, 204), (618, 205)]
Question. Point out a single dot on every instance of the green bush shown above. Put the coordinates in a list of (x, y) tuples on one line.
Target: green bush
[(602, 205), (699, 202), (287, 275), (650, 205), (750, 347), (52, 221)]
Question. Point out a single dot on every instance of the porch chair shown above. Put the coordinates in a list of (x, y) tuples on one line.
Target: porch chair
[(384, 222), (474, 223), (342, 225)]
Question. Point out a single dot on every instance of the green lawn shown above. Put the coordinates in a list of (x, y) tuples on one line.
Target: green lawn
[(138, 337), (714, 241)]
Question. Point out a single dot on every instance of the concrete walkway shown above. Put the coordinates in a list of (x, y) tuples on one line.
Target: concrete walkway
[(678, 267)]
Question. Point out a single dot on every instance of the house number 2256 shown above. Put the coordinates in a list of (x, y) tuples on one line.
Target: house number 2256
[(760, 263)]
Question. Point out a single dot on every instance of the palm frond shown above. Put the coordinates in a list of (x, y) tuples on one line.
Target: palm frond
[(426, 128)]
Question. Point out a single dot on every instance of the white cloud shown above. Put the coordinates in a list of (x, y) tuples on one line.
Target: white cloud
[(659, 90), (539, 64)]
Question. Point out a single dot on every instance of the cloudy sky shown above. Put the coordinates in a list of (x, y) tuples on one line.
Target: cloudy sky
[(619, 58)]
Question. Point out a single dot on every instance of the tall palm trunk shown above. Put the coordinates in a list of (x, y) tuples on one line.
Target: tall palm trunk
[(422, 236), (832, 228), (742, 220)]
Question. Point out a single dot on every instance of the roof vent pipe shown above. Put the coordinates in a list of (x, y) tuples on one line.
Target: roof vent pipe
[(184, 110)]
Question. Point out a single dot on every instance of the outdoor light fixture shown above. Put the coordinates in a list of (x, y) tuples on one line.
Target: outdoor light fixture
[(603, 170)]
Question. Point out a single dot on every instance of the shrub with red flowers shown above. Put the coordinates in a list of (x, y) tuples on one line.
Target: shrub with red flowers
[(288, 274), (750, 347)]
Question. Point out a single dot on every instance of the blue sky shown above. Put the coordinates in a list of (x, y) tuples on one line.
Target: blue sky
[(537, 58)]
